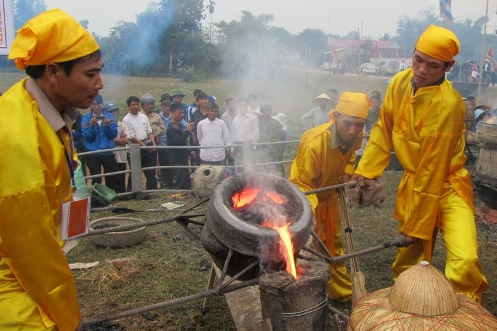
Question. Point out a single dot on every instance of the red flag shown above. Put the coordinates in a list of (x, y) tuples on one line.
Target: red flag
[(490, 54)]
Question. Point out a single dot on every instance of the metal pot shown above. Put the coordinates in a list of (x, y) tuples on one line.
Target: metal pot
[(241, 230)]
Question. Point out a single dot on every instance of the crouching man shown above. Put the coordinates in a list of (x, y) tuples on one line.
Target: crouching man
[(325, 157)]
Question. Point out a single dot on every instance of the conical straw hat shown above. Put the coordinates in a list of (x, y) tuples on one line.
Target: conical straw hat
[(424, 290), (412, 304)]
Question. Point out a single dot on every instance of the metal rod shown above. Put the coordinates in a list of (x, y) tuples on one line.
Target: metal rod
[(235, 277), (225, 267), (165, 304), (321, 244), (332, 187), (310, 250), (146, 223)]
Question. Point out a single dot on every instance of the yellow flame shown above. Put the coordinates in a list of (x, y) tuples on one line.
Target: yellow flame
[(287, 241)]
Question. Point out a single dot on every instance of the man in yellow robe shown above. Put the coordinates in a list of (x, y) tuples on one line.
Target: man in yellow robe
[(37, 161), (326, 156), (422, 118)]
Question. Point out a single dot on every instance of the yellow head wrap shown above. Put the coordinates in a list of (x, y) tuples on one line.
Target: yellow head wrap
[(353, 104), (439, 43), (52, 36)]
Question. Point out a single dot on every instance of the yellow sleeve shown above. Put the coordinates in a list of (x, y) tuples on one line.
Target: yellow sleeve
[(34, 182), (305, 169), (376, 155)]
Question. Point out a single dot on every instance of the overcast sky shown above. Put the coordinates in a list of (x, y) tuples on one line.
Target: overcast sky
[(336, 16)]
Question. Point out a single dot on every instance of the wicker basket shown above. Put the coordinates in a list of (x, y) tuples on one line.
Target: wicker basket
[(421, 299), (117, 239)]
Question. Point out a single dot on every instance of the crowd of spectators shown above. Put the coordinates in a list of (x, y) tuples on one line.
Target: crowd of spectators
[(176, 124)]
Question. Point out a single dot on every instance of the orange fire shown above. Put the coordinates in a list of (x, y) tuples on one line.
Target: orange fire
[(245, 197), (275, 197), (287, 241), (490, 120), (254, 195)]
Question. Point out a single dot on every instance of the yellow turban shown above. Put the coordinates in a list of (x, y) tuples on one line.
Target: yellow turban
[(52, 36), (353, 104), (439, 43)]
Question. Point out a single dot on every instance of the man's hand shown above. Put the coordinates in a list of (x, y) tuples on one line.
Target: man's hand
[(190, 126), (411, 240), (345, 179), (106, 121), (359, 179), (93, 121)]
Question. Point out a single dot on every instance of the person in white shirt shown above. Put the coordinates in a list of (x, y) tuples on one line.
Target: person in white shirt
[(245, 128), (121, 140), (140, 133), (213, 132), (318, 115), (253, 108)]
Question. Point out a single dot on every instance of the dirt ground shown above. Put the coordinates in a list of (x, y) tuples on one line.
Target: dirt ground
[(171, 263)]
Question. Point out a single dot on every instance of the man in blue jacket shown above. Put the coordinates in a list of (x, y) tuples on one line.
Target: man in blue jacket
[(99, 129)]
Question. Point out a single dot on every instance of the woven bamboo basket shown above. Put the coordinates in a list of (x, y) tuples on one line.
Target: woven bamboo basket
[(120, 238), (421, 299)]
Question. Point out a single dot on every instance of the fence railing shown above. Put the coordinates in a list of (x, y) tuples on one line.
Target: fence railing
[(135, 168)]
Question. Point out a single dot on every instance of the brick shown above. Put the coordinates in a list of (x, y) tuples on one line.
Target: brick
[(484, 208), (490, 220), (492, 212)]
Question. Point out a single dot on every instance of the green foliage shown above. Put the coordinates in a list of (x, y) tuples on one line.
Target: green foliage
[(193, 76)]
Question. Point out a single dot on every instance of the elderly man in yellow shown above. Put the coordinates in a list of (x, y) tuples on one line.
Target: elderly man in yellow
[(326, 156), (422, 117), (37, 160)]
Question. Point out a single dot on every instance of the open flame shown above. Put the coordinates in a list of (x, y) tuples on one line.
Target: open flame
[(490, 120), (244, 197), (247, 196), (287, 241), (269, 204)]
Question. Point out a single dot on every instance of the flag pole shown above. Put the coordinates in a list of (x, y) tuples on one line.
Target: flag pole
[(482, 53)]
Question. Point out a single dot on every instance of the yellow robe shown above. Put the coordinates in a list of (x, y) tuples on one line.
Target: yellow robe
[(317, 165), (37, 288), (426, 131)]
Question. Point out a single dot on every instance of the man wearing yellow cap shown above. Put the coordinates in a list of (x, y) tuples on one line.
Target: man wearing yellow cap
[(37, 161), (326, 156), (422, 118)]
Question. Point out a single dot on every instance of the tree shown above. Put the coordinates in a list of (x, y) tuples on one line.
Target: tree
[(210, 7), (248, 46), (385, 37), (27, 9), (314, 43)]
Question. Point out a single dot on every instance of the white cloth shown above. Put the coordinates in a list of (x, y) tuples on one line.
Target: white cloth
[(122, 131), (213, 133), (254, 111), (314, 117), (245, 128), (227, 117), (138, 126)]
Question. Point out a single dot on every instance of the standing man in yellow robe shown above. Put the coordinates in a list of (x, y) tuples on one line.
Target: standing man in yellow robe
[(422, 117), (37, 161), (326, 156)]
